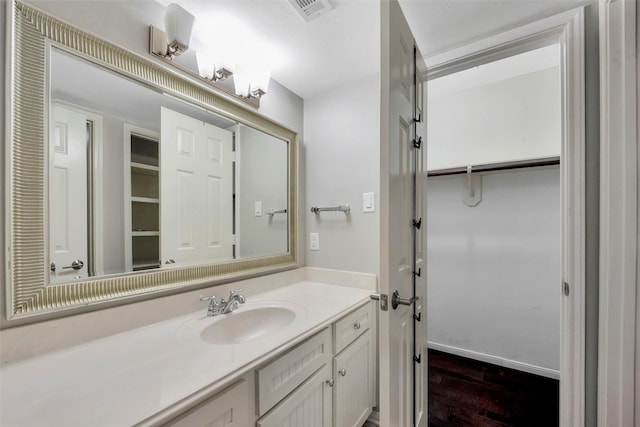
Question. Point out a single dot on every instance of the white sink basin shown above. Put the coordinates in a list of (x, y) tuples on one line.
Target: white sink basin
[(250, 322)]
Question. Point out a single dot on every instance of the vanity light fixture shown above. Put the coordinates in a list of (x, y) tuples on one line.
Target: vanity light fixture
[(177, 35), (208, 70), (212, 69), (251, 79)]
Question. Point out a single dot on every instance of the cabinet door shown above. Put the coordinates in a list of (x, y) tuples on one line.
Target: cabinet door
[(229, 408), (354, 382), (308, 406)]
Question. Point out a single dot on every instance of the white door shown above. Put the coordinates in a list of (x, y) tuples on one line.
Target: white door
[(402, 348), (68, 247), (196, 200)]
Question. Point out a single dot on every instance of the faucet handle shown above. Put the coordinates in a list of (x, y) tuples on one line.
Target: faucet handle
[(236, 293), (211, 300)]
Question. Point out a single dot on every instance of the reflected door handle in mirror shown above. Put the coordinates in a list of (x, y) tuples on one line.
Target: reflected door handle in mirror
[(76, 265)]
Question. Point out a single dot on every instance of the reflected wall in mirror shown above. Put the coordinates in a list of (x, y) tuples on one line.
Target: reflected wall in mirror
[(135, 179)]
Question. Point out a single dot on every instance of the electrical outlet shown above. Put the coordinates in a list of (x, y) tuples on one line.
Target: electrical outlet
[(314, 241)]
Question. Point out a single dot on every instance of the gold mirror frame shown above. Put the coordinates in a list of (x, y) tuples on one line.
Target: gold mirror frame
[(28, 292)]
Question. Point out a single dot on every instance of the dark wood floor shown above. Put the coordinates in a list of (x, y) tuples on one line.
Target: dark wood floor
[(465, 392)]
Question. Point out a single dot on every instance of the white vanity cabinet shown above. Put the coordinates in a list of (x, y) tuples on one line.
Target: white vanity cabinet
[(308, 406), (340, 392), (231, 407), (354, 368)]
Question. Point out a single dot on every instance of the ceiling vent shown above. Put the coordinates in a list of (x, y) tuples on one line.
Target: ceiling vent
[(311, 9)]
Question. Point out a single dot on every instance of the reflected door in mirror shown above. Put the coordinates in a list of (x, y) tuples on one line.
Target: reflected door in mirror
[(196, 190), (68, 250)]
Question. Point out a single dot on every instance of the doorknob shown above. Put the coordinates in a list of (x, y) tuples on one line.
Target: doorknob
[(396, 300)]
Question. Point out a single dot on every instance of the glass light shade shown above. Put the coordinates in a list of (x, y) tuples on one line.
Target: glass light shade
[(178, 25), (205, 64), (259, 77), (241, 81)]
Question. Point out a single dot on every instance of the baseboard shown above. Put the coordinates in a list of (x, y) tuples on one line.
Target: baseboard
[(500, 361), (373, 420)]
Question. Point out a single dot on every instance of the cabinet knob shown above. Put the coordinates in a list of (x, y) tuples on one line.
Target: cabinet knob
[(357, 325), (330, 382), (342, 372)]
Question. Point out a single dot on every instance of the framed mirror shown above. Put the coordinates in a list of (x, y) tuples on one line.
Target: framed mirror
[(126, 178)]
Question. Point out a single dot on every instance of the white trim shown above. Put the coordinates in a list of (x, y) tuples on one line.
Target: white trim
[(567, 29), (496, 360), (512, 42), (98, 192), (572, 176), (618, 214)]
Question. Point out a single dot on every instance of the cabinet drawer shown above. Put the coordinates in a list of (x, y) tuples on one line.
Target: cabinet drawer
[(352, 326), (283, 375)]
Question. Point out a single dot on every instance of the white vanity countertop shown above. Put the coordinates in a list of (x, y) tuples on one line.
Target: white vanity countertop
[(126, 378)]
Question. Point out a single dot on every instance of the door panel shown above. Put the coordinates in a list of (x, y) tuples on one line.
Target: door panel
[(68, 194), (196, 199), (400, 260)]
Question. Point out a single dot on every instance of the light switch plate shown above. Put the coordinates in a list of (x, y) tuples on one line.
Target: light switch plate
[(368, 202)]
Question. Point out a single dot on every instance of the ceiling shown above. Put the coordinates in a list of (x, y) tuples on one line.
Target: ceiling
[(342, 45)]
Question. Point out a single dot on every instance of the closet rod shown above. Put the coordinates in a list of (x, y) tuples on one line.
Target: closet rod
[(519, 164)]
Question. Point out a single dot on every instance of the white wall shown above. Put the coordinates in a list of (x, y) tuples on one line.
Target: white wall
[(342, 161), (521, 121), (494, 269), (262, 177)]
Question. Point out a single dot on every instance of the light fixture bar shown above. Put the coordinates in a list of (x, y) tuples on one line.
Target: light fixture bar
[(158, 48)]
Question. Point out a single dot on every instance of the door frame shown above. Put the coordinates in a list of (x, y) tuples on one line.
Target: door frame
[(619, 288), (567, 29)]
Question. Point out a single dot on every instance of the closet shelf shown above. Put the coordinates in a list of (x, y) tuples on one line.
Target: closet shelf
[(143, 167), (145, 199), (144, 233)]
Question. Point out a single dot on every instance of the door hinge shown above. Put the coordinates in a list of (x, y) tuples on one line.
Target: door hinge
[(565, 289), (418, 358), (417, 317)]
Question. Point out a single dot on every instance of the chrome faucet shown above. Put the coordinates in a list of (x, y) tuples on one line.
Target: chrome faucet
[(214, 307), (234, 301), (224, 307)]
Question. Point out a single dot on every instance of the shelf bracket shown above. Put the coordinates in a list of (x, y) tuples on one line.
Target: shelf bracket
[(472, 188)]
